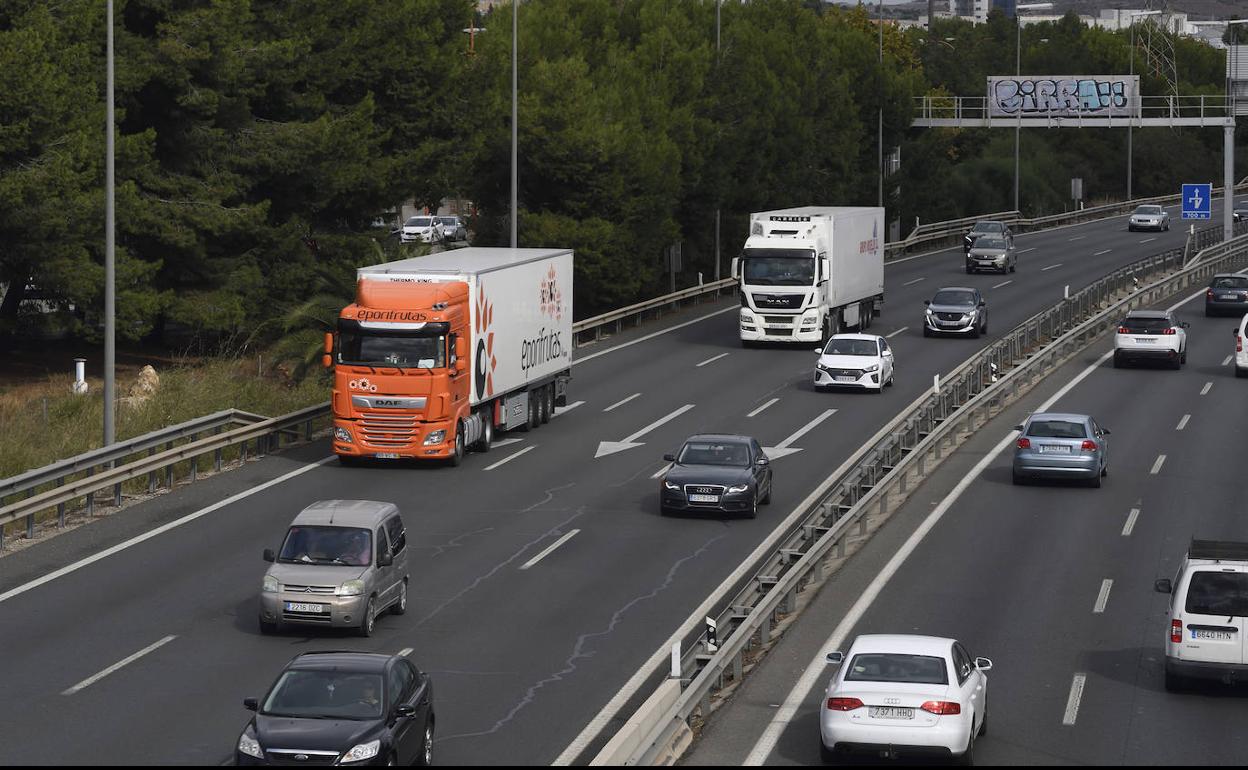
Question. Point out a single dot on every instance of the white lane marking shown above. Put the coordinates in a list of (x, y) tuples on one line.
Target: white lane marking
[(1072, 702), (1102, 597), (761, 408), (1227, 360), (666, 467), (1004, 283), (916, 280), (899, 331), (611, 447), (817, 668), (1129, 527), (1077, 238), (509, 458), (711, 359), (1099, 253), (85, 683), (1161, 460), (622, 402), (1205, 390), (1183, 422), (1146, 240), (549, 549), (506, 442), (652, 335), (48, 578), (1024, 251), (1050, 267), (783, 448), (563, 409), (403, 653)]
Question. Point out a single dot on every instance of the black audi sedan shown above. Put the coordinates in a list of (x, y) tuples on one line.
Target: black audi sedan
[(727, 474), (338, 708)]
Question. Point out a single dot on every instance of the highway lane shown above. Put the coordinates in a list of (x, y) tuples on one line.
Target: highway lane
[(1020, 574), (549, 644)]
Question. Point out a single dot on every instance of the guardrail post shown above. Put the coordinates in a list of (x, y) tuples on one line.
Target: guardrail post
[(307, 430), (151, 475), (90, 495), (60, 507), (216, 456), (764, 630), (738, 667), (117, 495), (30, 519), (168, 468)]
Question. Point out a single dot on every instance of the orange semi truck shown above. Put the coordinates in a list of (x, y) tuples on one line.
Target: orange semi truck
[(440, 353)]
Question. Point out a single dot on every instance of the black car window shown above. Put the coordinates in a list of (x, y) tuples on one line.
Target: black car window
[(1218, 593), (850, 347), (714, 453), (1230, 282), (400, 680), (331, 694), (954, 297), (1057, 429), (885, 667), (327, 545), (962, 663), (398, 535), (990, 227), (383, 542)]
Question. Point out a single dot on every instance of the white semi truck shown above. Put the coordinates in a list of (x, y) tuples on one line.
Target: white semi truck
[(808, 273)]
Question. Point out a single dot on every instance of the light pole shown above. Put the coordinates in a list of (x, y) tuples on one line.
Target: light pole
[(110, 298), (515, 25), (879, 163), (1018, 71), (1130, 122), (718, 4)]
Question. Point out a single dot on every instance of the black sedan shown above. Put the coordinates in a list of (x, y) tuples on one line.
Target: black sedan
[(337, 708), (726, 474), (1227, 295)]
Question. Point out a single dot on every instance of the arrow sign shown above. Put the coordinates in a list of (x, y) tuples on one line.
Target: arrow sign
[(783, 448), (611, 447), (1196, 201)]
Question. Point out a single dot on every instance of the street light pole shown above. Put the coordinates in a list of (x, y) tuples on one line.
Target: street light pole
[(515, 24), (880, 124), (718, 5), (1130, 123), (110, 299)]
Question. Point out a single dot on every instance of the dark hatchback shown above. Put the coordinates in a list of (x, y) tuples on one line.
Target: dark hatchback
[(716, 473), (339, 708), (1227, 294)]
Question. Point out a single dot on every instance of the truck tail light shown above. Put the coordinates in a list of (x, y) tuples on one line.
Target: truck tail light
[(844, 704), (1089, 445), (1176, 631), (1024, 443), (942, 707)]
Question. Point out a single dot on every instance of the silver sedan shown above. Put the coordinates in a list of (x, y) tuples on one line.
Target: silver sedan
[(1148, 217), (1061, 446)]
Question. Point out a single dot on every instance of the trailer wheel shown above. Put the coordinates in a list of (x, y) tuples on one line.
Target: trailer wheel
[(543, 404)]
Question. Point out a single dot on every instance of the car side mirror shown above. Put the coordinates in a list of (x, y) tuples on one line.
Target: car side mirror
[(1163, 586), (1185, 325), (762, 461), (819, 351), (385, 559), (1018, 428), (269, 555), (329, 342), (251, 704), (982, 303), (669, 458), (1106, 431), (405, 710), (983, 664), (927, 302), (836, 658)]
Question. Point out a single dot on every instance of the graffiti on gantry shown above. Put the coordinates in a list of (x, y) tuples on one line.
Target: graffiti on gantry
[(1064, 96)]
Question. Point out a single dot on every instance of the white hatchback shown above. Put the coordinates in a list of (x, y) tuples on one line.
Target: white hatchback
[(863, 361), (903, 695), (1151, 335), (1241, 348)]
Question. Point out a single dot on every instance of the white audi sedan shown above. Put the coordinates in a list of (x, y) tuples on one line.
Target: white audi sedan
[(862, 361), (903, 695)]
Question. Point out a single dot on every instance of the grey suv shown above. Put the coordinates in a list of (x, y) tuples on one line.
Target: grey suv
[(956, 310), (342, 564)]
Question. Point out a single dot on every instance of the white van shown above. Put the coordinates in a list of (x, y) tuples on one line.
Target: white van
[(1241, 347), (1208, 614)]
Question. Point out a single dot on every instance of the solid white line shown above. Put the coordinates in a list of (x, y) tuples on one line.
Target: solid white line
[(916, 280), (48, 578), (1129, 527), (563, 409), (1099, 253), (1183, 422), (761, 408), (712, 358), (549, 548), (1161, 460), (1050, 267), (1077, 237), (85, 683), (1004, 283), (1205, 390), (657, 423), (1102, 597), (1146, 240), (509, 458), (621, 403), (1227, 360), (899, 331), (1072, 703), (403, 653), (666, 467), (652, 335), (808, 427), (1024, 251)]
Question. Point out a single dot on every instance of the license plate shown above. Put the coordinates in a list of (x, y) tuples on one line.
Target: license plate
[(1144, 340), (387, 455), (299, 607), (703, 498), (1054, 449), (1216, 636), (890, 712), (779, 326), (845, 378), (1228, 296)]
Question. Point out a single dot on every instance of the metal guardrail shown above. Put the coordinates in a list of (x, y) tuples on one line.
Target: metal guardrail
[(877, 478), (638, 311)]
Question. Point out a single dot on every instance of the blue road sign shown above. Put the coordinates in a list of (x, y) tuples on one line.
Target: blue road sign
[(1196, 201)]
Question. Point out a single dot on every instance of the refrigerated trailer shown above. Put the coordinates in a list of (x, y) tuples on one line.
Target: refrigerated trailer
[(439, 353)]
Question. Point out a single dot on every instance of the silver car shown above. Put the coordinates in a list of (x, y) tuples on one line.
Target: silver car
[(1148, 217), (992, 252), (453, 228), (342, 564), (1061, 446)]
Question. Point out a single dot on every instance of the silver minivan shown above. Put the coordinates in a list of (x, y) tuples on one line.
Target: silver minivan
[(342, 563)]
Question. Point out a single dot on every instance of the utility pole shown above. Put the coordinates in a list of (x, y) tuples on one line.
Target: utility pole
[(110, 299), (879, 167), (515, 26)]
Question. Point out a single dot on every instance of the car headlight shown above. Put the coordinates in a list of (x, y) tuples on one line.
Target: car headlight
[(248, 745), (738, 489), (670, 485), (350, 588), (872, 368), (343, 435), (928, 311), (437, 437), (362, 752), (272, 585), (823, 368)]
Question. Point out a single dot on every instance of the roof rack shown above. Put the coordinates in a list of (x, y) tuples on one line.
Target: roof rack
[(1218, 550)]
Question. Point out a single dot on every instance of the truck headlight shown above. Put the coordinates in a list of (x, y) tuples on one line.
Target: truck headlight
[(747, 317), (437, 437), (738, 489), (272, 585), (350, 588), (343, 435)]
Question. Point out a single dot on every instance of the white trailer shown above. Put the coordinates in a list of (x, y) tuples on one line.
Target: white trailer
[(808, 273)]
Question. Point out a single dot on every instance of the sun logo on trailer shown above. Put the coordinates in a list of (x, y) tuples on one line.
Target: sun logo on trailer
[(486, 362), (551, 296)]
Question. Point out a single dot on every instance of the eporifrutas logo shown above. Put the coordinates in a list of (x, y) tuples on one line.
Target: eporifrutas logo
[(551, 295), (485, 362)]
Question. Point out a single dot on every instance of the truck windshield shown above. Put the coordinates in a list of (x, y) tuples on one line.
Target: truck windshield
[(405, 351), (779, 267)]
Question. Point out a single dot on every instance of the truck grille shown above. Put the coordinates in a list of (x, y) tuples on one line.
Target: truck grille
[(778, 319), (778, 301), (388, 430)]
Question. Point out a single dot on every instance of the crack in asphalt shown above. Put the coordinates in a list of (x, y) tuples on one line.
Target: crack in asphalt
[(579, 650), (550, 495), (454, 542)]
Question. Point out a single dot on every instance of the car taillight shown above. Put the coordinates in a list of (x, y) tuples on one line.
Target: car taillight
[(1123, 330), (1209, 293), (1176, 631), (942, 707), (1089, 445), (1239, 344), (844, 704), (1169, 331), (1024, 443)]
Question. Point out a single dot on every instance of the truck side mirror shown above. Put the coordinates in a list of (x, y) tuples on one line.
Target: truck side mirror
[(327, 361), (329, 342), (736, 268), (461, 348)]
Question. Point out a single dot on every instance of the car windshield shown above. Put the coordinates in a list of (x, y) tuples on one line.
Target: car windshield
[(1146, 325), (341, 546), (405, 351), (884, 667), (1218, 593), (851, 348), (954, 297), (1149, 210), (779, 267), (1057, 429), (714, 453), (304, 694), (1230, 282), (419, 222), (988, 242), (989, 227)]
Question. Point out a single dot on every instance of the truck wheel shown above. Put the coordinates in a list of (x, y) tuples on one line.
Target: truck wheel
[(543, 404), (457, 456), (535, 415), (487, 432), (551, 398)]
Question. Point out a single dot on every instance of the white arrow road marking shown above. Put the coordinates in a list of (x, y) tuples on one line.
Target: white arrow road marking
[(611, 447), (783, 448), (85, 683)]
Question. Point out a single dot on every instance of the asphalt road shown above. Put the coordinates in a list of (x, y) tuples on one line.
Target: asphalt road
[(1019, 575), (522, 658)]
